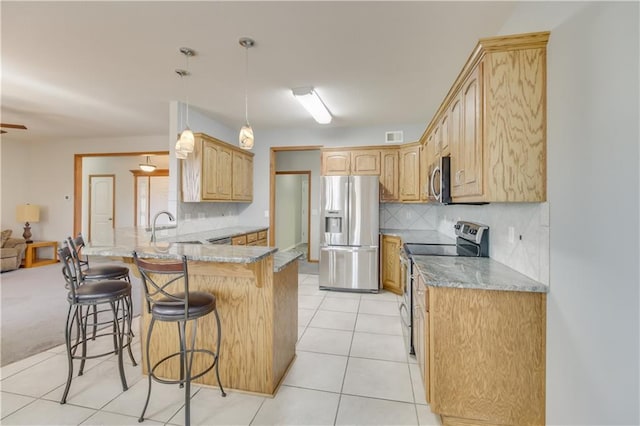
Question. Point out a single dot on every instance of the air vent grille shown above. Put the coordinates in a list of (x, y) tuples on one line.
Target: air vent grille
[(394, 137)]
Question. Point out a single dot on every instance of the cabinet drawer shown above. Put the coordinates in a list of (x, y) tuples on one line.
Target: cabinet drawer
[(252, 237), (240, 240), (262, 235), (262, 242)]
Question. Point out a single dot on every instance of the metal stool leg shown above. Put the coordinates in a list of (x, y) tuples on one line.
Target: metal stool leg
[(217, 360), (71, 319), (149, 372)]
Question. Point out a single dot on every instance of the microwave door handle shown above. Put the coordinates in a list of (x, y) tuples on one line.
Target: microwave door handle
[(433, 189)]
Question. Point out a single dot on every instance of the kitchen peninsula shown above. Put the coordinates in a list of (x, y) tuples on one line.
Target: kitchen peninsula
[(257, 299)]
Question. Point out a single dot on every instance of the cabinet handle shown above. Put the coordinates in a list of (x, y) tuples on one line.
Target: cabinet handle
[(433, 178)]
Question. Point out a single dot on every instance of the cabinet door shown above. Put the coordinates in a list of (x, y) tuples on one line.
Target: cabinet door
[(410, 173), (216, 172), (390, 255), (444, 134), (456, 147), (336, 163), (389, 176), (365, 162), (472, 134), (242, 176)]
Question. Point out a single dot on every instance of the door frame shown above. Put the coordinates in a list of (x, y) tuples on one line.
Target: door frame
[(138, 174), (297, 172), (272, 187), (113, 200), (77, 180)]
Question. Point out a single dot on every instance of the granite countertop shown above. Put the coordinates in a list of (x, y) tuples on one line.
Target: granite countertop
[(420, 237), (126, 240), (480, 273)]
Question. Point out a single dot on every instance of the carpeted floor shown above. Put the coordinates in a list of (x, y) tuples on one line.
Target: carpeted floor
[(34, 310)]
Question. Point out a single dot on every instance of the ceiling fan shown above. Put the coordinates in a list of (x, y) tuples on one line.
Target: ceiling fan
[(12, 126)]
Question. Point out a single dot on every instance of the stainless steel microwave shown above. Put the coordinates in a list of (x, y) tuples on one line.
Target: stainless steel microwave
[(439, 181)]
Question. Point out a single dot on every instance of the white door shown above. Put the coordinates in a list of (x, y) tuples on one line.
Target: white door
[(101, 209)]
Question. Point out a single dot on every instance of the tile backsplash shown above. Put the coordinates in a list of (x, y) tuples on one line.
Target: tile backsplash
[(193, 217), (527, 252)]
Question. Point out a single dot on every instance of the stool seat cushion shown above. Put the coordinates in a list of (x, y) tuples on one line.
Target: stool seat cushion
[(101, 290), (200, 304), (105, 272)]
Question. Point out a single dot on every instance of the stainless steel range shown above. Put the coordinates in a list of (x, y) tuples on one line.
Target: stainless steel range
[(472, 240)]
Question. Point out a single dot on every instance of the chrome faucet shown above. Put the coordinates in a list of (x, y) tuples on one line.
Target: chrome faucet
[(155, 219)]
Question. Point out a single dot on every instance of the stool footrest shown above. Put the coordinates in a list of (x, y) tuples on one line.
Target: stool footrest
[(187, 353)]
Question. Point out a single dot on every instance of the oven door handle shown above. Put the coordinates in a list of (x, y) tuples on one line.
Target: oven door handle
[(403, 306)]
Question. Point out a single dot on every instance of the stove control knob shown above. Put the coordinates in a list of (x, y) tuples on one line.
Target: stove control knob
[(473, 231)]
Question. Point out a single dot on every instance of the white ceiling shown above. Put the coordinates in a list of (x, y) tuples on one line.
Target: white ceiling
[(104, 69)]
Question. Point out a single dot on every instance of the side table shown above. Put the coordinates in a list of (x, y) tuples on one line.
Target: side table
[(31, 258)]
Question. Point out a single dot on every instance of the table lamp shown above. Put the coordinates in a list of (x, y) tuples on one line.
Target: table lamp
[(27, 213)]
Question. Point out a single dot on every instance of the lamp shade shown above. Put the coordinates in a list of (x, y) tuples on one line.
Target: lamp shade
[(180, 154), (246, 137), (147, 167), (186, 141), (28, 213)]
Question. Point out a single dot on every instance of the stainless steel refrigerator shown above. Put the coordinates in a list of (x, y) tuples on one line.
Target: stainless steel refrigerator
[(349, 234)]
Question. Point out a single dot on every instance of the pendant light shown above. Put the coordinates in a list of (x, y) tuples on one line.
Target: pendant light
[(181, 154), (147, 167), (246, 132), (186, 141)]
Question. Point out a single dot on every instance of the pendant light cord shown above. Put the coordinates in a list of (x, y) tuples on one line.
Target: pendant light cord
[(246, 84), (186, 91)]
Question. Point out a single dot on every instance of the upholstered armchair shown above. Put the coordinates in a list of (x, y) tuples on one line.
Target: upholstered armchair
[(11, 252)]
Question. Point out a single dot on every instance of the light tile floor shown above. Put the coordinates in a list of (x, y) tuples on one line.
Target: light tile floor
[(351, 369)]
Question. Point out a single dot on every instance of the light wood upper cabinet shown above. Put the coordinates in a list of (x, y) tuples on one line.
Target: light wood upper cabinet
[(336, 163), (242, 176), (351, 162), (365, 162), (217, 171), (495, 120), (466, 118), (389, 175), (410, 172), (390, 263)]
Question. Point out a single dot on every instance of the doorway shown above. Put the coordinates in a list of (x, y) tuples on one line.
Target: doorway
[(80, 191), (289, 161), (292, 211)]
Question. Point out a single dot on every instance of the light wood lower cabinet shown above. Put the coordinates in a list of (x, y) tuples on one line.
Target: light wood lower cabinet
[(258, 238), (482, 354), (390, 261)]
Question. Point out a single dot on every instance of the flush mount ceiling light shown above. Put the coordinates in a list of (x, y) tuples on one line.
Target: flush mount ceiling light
[(246, 132), (186, 141), (311, 101), (147, 167)]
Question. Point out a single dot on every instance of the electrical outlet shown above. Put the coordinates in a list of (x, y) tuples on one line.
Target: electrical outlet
[(266, 213), (512, 235)]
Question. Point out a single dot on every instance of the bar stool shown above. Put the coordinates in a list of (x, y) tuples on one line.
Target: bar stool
[(96, 273), (166, 287), (102, 272), (112, 296)]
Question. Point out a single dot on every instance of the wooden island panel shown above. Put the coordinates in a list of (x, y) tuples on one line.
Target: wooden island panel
[(258, 314)]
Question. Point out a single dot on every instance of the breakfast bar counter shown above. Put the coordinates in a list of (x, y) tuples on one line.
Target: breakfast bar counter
[(256, 290)]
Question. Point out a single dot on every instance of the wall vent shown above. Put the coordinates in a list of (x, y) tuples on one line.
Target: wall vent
[(394, 137)]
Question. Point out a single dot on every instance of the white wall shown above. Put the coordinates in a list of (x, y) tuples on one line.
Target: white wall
[(288, 203), (593, 321), (15, 163), (42, 173)]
